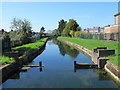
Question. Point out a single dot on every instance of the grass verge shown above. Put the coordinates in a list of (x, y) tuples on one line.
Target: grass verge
[(6, 60), (24, 50), (91, 44)]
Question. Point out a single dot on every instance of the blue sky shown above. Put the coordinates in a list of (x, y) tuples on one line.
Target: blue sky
[(47, 14)]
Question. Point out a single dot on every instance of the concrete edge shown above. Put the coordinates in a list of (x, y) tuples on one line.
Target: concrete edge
[(88, 52), (10, 69), (112, 74)]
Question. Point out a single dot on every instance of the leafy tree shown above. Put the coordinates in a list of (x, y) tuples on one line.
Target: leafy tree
[(78, 28), (71, 25), (16, 24), (72, 33), (42, 30), (13, 35), (55, 32), (2, 30), (77, 33), (61, 26), (24, 29), (6, 42)]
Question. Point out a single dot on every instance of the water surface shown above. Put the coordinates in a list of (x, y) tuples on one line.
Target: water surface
[(59, 71)]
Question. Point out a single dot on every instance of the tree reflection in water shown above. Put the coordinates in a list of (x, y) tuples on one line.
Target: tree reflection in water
[(66, 49)]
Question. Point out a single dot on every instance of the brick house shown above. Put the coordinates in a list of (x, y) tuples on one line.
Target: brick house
[(113, 31)]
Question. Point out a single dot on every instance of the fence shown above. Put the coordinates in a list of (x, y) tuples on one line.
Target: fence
[(109, 36)]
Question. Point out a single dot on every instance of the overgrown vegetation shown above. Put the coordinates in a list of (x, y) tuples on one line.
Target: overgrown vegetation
[(91, 44), (28, 48), (25, 49), (6, 60), (23, 29)]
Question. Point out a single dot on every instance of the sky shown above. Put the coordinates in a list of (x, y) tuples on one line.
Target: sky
[(47, 14)]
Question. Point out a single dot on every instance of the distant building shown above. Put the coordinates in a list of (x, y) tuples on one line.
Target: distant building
[(116, 27), (94, 30), (117, 18), (113, 31)]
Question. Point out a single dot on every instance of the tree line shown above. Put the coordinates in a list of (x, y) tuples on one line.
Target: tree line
[(70, 28), (21, 33)]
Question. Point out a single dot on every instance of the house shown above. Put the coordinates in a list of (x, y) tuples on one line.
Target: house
[(94, 30), (113, 31)]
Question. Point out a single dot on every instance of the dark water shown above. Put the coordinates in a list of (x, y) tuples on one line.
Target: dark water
[(59, 71)]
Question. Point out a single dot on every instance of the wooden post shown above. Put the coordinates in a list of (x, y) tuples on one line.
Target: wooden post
[(74, 66), (40, 69), (40, 63), (74, 62)]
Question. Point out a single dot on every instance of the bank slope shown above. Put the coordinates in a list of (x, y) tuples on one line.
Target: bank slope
[(91, 44), (23, 50)]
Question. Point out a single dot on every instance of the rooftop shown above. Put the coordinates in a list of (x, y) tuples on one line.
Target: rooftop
[(117, 14)]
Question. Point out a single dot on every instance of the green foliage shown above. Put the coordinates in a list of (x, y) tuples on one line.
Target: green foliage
[(55, 32), (6, 60), (71, 25), (66, 49), (23, 30), (91, 44), (18, 24), (14, 35), (77, 33), (27, 48), (6, 42), (42, 30), (72, 33), (78, 28), (61, 26)]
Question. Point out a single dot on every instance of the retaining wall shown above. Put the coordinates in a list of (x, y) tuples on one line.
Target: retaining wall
[(105, 52), (112, 69), (10, 69)]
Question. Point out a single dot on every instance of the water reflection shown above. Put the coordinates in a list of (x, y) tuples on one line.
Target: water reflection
[(102, 74), (59, 71), (15, 76), (40, 69), (65, 49)]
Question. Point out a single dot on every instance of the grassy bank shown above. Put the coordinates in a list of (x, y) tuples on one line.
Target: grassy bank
[(6, 60), (24, 50), (91, 44)]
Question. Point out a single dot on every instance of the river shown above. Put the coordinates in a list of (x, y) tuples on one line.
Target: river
[(59, 72)]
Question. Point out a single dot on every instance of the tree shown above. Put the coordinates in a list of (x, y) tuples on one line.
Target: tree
[(72, 33), (42, 30), (78, 28), (6, 42), (16, 24), (77, 33), (61, 26), (71, 25), (24, 29), (2, 30)]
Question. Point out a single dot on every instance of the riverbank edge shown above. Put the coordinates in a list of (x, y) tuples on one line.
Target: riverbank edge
[(10, 69), (113, 70)]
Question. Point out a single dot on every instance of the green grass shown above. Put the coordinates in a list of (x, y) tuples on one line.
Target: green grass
[(91, 44), (6, 60), (25, 49)]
